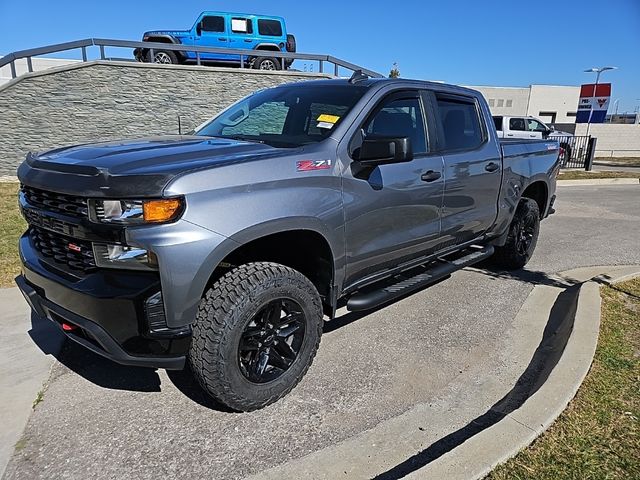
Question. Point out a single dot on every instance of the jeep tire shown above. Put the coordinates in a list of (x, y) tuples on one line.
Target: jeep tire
[(522, 237), (266, 63), (163, 57), (256, 333)]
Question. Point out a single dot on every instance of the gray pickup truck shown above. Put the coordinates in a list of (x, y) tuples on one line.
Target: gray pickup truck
[(223, 250)]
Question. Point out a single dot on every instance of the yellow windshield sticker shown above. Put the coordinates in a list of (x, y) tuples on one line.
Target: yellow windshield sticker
[(328, 118)]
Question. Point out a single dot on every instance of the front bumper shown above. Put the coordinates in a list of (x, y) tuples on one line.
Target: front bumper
[(106, 307)]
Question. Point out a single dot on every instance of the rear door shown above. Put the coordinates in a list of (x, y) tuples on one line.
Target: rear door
[(243, 33), (392, 211), (213, 32), (472, 168), (517, 128)]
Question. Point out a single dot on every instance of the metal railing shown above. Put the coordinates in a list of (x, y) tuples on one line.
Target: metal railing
[(577, 151), (244, 54)]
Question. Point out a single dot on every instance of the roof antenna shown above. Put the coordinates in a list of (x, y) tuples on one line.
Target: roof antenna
[(358, 76)]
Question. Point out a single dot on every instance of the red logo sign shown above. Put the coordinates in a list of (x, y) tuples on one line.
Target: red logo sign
[(74, 248)]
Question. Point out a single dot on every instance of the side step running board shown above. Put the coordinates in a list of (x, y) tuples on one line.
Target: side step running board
[(403, 284)]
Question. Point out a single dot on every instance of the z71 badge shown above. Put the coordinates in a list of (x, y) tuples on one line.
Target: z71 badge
[(310, 165)]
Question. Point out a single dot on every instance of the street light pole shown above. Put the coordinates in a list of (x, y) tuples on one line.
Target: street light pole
[(597, 71)]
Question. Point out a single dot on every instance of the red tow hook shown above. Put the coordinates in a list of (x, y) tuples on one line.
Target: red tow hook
[(67, 327)]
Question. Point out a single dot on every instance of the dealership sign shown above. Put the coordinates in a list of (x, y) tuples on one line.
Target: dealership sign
[(593, 103)]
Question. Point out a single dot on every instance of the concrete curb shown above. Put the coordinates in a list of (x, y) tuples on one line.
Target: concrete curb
[(598, 181), (475, 458)]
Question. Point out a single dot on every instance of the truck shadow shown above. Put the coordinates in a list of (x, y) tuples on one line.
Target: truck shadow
[(90, 366)]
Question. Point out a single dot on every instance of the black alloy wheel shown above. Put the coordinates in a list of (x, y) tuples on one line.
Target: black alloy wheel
[(271, 341)]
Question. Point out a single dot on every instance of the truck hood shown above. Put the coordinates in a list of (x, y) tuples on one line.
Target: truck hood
[(137, 168)]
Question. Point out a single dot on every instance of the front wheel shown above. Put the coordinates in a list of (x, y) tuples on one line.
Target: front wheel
[(256, 333), (162, 56), (522, 237)]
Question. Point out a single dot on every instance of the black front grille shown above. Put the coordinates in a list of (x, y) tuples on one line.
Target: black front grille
[(64, 251), (55, 202)]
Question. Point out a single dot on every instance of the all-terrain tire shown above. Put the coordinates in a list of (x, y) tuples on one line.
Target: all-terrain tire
[(225, 312), (522, 237), (165, 57)]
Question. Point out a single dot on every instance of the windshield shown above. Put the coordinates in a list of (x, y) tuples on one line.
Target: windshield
[(286, 116)]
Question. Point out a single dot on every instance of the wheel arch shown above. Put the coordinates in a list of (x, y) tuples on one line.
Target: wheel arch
[(304, 247), (538, 191)]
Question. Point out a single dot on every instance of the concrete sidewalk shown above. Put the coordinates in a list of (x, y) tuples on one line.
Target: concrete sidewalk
[(27, 349)]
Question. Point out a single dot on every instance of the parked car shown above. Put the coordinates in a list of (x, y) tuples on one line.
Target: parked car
[(232, 31), (533, 127), (225, 248)]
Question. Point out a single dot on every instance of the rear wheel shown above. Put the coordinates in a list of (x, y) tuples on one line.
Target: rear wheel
[(266, 63), (256, 333), (163, 56), (522, 237)]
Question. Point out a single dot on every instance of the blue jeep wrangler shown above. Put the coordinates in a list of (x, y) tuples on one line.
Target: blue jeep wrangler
[(224, 30)]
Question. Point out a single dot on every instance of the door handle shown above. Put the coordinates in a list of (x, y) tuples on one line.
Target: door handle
[(430, 176), (491, 167), (248, 40), (222, 39)]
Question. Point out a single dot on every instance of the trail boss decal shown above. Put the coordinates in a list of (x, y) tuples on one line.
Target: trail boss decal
[(310, 165)]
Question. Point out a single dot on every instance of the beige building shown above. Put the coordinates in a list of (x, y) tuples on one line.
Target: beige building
[(551, 103)]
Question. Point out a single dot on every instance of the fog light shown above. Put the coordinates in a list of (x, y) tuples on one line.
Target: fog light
[(121, 256)]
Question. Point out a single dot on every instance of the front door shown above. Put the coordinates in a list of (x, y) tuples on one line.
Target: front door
[(536, 129), (472, 170), (392, 211), (212, 32)]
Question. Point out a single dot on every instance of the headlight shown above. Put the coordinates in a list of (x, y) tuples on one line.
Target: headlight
[(120, 256), (135, 212)]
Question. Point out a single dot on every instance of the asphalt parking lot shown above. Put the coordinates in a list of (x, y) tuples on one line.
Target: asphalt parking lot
[(106, 421)]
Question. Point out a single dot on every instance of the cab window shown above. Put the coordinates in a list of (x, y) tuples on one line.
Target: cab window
[(241, 25), (212, 23), (535, 126), (269, 28), (399, 118), (459, 122), (517, 124)]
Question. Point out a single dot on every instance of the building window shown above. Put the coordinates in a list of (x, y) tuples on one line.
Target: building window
[(492, 102), (509, 104), (571, 114), (500, 102)]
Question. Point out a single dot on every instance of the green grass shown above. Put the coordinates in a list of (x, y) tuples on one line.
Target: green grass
[(39, 398), (12, 226), (582, 175), (598, 435)]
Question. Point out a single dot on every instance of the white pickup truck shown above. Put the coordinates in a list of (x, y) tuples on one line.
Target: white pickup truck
[(532, 127), (525, 127)]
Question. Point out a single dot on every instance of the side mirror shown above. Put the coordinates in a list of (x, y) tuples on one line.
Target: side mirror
[(380, 150), (199, 28)]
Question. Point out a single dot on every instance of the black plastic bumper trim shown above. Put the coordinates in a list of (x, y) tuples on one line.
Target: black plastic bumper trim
[(108, 347)]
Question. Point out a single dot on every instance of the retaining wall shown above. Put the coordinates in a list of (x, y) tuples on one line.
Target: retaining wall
[(99, 100)]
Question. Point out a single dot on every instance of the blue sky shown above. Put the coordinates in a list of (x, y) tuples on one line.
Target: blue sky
[(482, 42)]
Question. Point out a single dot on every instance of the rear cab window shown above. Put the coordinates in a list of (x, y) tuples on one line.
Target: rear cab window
[(269, 28), (517, 124), (459, 120)]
